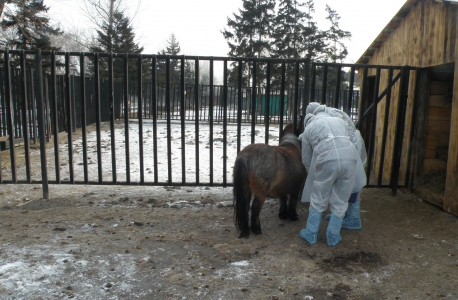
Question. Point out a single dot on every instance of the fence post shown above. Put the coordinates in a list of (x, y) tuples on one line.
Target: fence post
[(41, 122), (9, 116), (399, 131), (337, 91), (309, 87), (373, 126)]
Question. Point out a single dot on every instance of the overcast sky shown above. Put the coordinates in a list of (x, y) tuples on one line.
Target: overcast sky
[(197, 24)]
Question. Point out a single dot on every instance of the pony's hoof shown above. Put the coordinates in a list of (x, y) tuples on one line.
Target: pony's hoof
[(244, 235), (283, 216), (256, 230), (294, 217)]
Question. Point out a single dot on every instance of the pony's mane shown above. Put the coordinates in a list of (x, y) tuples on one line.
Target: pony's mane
[(290, 139)]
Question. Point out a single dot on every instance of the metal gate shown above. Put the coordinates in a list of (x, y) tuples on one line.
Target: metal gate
[(123, 147), (399, 88)]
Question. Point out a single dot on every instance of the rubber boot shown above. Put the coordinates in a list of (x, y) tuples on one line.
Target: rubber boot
[(352, 219), (310, 233), (333, 231)]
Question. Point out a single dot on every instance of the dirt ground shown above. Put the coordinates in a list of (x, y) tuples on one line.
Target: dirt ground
[(131, 242), (104, 242)]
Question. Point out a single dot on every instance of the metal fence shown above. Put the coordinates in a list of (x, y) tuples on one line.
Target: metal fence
[(160, 109), (373, 91), (41, 105), (55, 107)]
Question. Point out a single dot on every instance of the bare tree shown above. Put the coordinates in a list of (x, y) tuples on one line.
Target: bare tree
[(2, 6), (101, 12), (73, 40)]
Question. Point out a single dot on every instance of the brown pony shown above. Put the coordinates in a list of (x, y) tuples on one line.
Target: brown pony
[(262, 170), (289, 128)]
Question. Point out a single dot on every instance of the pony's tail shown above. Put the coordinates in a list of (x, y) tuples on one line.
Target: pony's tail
[(242, 197)]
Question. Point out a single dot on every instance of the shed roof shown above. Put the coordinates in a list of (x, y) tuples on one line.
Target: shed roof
[(389, 28)]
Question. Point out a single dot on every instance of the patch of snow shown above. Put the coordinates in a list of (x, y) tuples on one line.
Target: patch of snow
[(240, 263)]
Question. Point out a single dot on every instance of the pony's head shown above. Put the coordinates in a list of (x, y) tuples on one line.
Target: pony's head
[(289, 129), (290, 139)]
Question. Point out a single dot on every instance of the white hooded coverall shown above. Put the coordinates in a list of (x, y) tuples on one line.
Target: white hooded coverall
[(332, 162)]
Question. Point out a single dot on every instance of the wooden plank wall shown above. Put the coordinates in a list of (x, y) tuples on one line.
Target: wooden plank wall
[(425, 37), (438, 126), (451, 183)]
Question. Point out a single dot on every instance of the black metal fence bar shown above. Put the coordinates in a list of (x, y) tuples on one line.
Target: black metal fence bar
[(308, 89), (399, 131), (9, 115), (183, 118), (25, 119), (167, 99), (210, 105), (225, 75), (337, 90), (282, 97), (41, 125), (3, 105), (83, 117), (254, 94), (371, 145), (98, 118), (114, 173), (34, 109), (385, 126), (196, 128), (364, 89), (69, 118), (239, 104), (296, 98), (154, 111), (126, 116), (350, 91), (325, 83), (267, 103), (54, 116), (140, 119)]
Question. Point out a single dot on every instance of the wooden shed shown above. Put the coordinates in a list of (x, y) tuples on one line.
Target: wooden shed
[(423, 34)]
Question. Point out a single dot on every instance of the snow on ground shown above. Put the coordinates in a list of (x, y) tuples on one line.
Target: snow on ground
[(148, 148)]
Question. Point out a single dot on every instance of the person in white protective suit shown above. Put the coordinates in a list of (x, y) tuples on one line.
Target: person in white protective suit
[(334, 173), (352, 218), (311, 107)]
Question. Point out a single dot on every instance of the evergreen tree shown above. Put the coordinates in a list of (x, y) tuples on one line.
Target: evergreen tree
[(118, 38), (173, 48), (290, 23), (293, 32), (249, 34), (336, 50), (31, 28)]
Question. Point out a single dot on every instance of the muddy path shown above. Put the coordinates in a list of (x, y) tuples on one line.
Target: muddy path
[(107, 242)]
